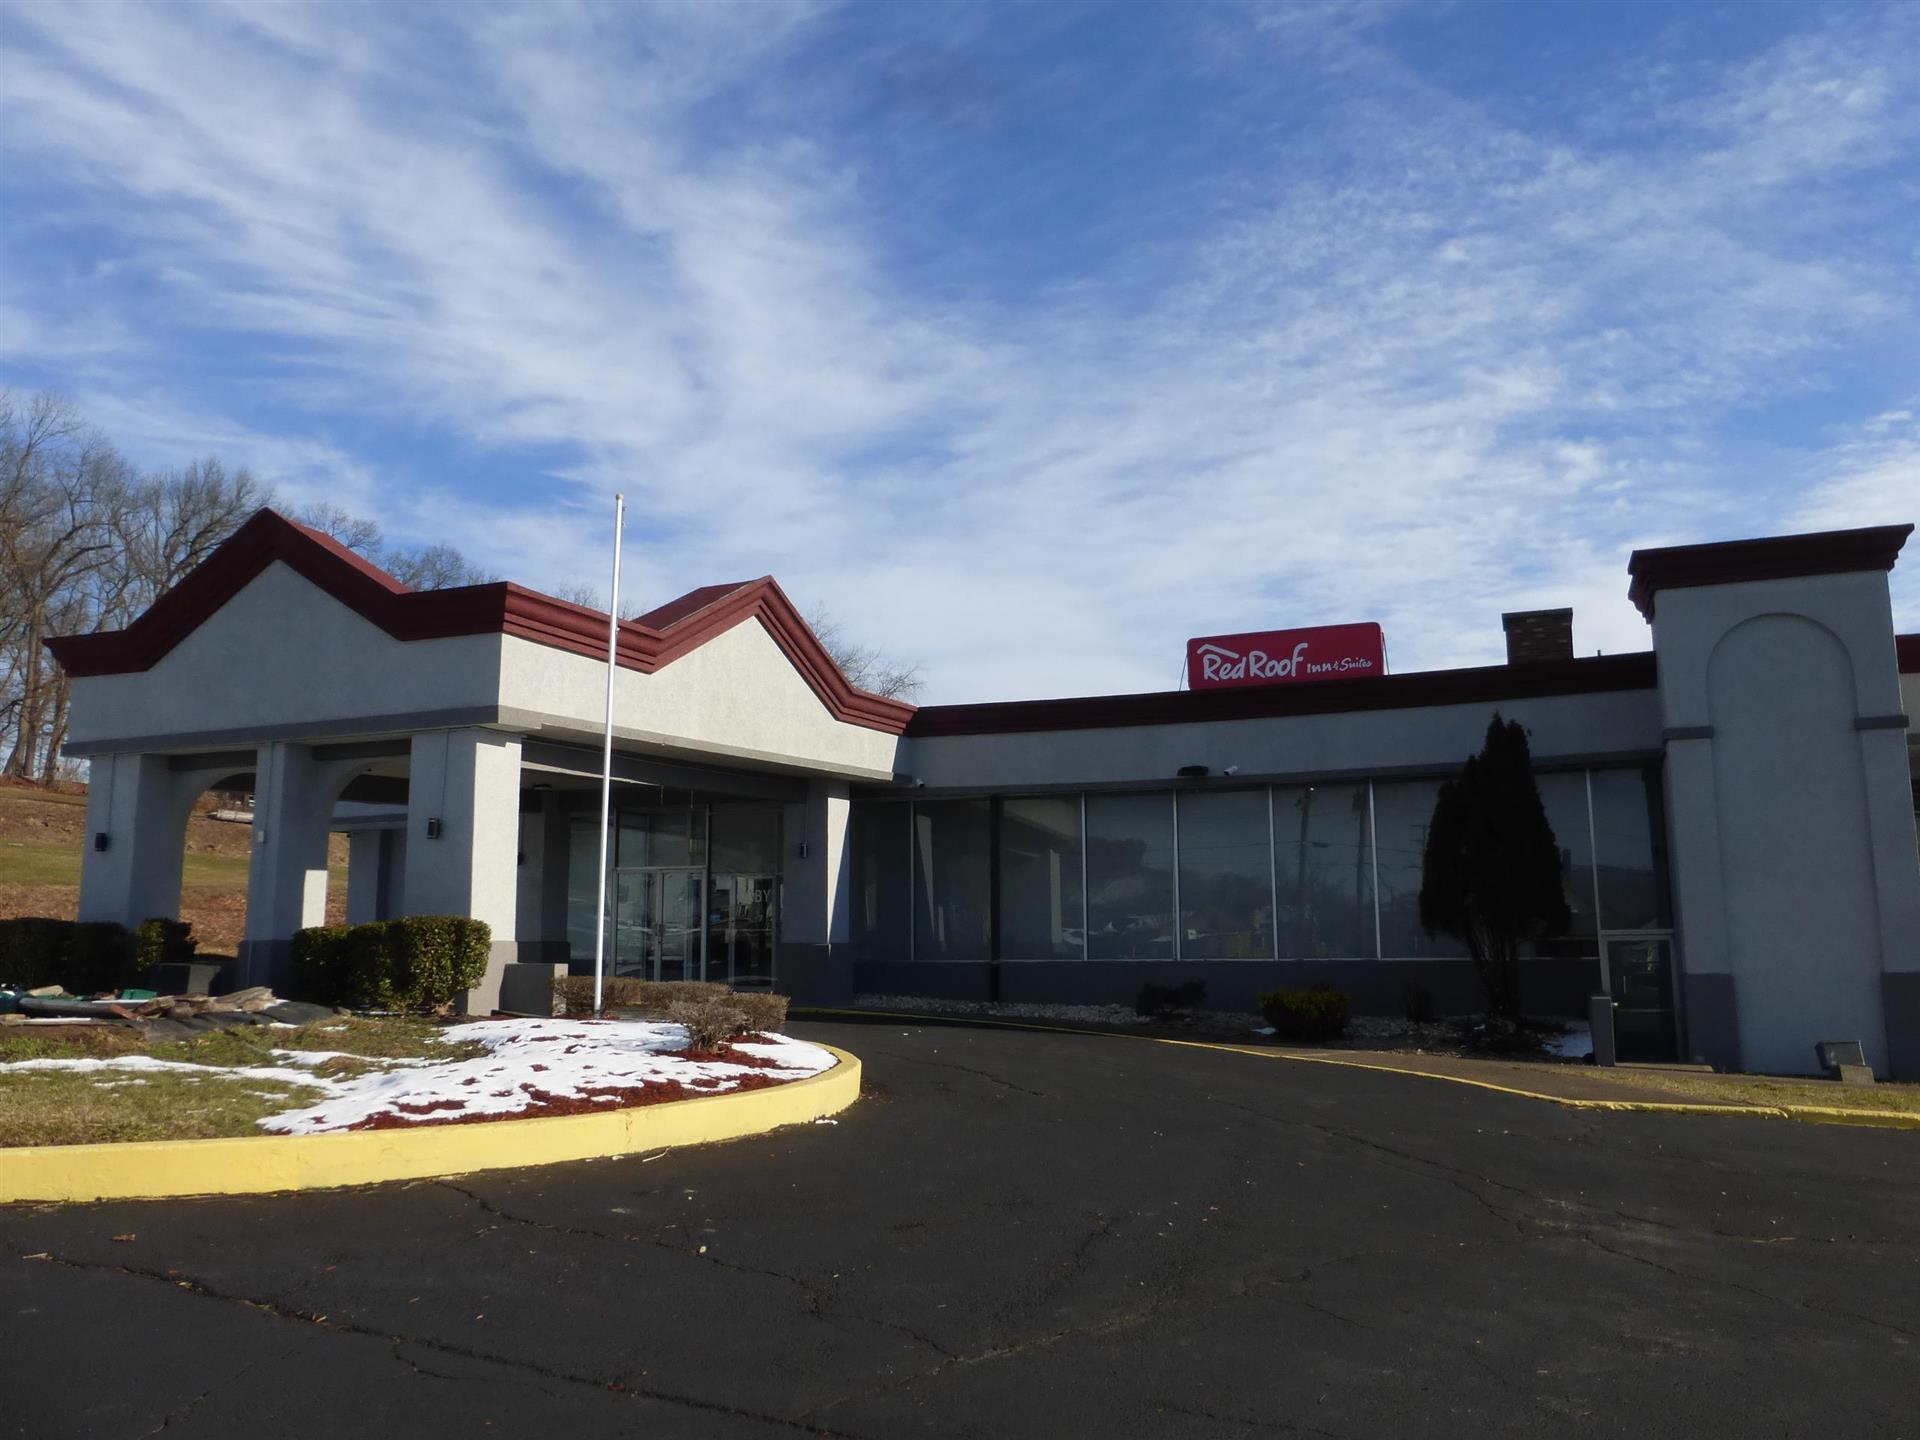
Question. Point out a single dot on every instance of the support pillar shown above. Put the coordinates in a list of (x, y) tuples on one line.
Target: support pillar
[(140, 806), (463, 837), (293, 796), (816, 962)]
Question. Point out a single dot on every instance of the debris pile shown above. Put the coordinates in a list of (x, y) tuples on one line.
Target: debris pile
[(162, 1016)]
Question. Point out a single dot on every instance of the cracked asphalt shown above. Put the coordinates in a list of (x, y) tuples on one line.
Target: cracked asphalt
[(1022, 1234)]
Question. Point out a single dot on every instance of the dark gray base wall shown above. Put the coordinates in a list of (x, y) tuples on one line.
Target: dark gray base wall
[(814, 974), (1376, 987), (1713, 1025), (1900, 997)]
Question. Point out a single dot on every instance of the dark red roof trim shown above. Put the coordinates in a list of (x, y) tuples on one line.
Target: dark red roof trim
[(1483, 685), (1779, 557), (655, 640)]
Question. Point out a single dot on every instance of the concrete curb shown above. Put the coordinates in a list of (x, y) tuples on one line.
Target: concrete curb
[(1806, 1114), (257, 1165)]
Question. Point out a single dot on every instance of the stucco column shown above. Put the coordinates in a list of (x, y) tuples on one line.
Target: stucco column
[(463, 838), (140, 806), (1890, 827), (1789, 812), (293, 798), (815, 962)]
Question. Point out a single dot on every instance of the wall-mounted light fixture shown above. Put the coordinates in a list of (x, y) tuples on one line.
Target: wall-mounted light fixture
[(100, 840), (803, 850), (1192, 772), (433, 829)]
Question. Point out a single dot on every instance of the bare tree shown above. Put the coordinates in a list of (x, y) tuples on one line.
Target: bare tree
[(86, 544), (62, 487), (580, 592), (423, 567), (865, 667), (174, 520), (353, 531), (432, 567)]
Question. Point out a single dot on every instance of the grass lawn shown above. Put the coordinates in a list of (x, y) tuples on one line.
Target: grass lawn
[(1765, 1090), (39, 862), (76, 1107)]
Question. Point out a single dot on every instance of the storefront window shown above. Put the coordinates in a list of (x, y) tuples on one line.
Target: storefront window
[(952, 880), (1323, 858), (1402, 811), (1564, 794), (675, 836), (880, 849), (1628, 830), (1041, 915), (583, 885), (1226, 876), (1130, 877), (746, 839)]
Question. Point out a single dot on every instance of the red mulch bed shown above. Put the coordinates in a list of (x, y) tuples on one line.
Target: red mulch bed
[(544, 1103)]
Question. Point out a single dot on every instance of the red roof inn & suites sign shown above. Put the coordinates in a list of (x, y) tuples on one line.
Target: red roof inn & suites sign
[(1282, 657)]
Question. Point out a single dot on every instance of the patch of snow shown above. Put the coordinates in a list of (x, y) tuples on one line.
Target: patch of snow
[(184, 1068), (565, 1059), (1576, 1044)]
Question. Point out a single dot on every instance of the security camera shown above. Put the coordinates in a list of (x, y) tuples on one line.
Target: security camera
[(1231, 770), (919, 784)]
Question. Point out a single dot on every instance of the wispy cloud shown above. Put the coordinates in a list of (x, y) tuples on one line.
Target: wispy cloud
[(1405, 360)]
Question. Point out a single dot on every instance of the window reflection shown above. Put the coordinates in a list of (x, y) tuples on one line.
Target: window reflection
[(1041, 915), (1130, 877), (1226, 876), (1323, 871)]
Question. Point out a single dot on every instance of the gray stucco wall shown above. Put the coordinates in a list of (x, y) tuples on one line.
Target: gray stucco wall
[(1374, 741)]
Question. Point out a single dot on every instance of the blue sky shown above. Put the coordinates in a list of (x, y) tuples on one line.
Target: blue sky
[(1029, 338)]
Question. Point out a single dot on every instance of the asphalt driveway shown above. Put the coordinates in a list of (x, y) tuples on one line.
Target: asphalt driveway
[(1023, 1234)]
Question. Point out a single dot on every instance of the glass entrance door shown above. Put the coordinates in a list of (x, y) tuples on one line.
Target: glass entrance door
[(741, 923), (657, 924), (1640, 970)]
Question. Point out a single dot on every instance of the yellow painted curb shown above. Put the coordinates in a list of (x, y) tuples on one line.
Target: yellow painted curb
[(1809, 1114), (255, 1165)]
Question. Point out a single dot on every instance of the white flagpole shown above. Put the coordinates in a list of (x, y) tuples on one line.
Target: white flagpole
[(606, 762)]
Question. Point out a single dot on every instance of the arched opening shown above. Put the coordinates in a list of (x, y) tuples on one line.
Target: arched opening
[(216, 867)]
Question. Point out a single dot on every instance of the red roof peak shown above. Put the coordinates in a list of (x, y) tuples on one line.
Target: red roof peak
[(656, 639)]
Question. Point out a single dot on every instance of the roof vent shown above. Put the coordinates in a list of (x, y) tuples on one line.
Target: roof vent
[(1534, 636)]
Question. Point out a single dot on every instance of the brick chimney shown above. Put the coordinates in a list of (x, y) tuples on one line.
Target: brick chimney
[(1534, 636)]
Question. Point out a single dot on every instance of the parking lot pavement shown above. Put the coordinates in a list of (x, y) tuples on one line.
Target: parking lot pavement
[(1023, 1234)]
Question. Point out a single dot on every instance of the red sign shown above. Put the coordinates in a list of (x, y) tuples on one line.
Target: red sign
[(1283, 657)]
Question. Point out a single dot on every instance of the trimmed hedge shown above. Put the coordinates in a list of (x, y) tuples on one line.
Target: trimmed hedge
[(1318, 1012), (316, 963), (709, 1020), (745, 1011), (163, 942), (418, 962), (87, 957)]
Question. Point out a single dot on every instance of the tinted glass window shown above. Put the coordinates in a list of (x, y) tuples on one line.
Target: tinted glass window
[(1323, 857), (952, 880), (746, 839), (1402, 811), (1226, 876), (1130, 877), (1630, 834), (880, 847), (1041, 916)]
